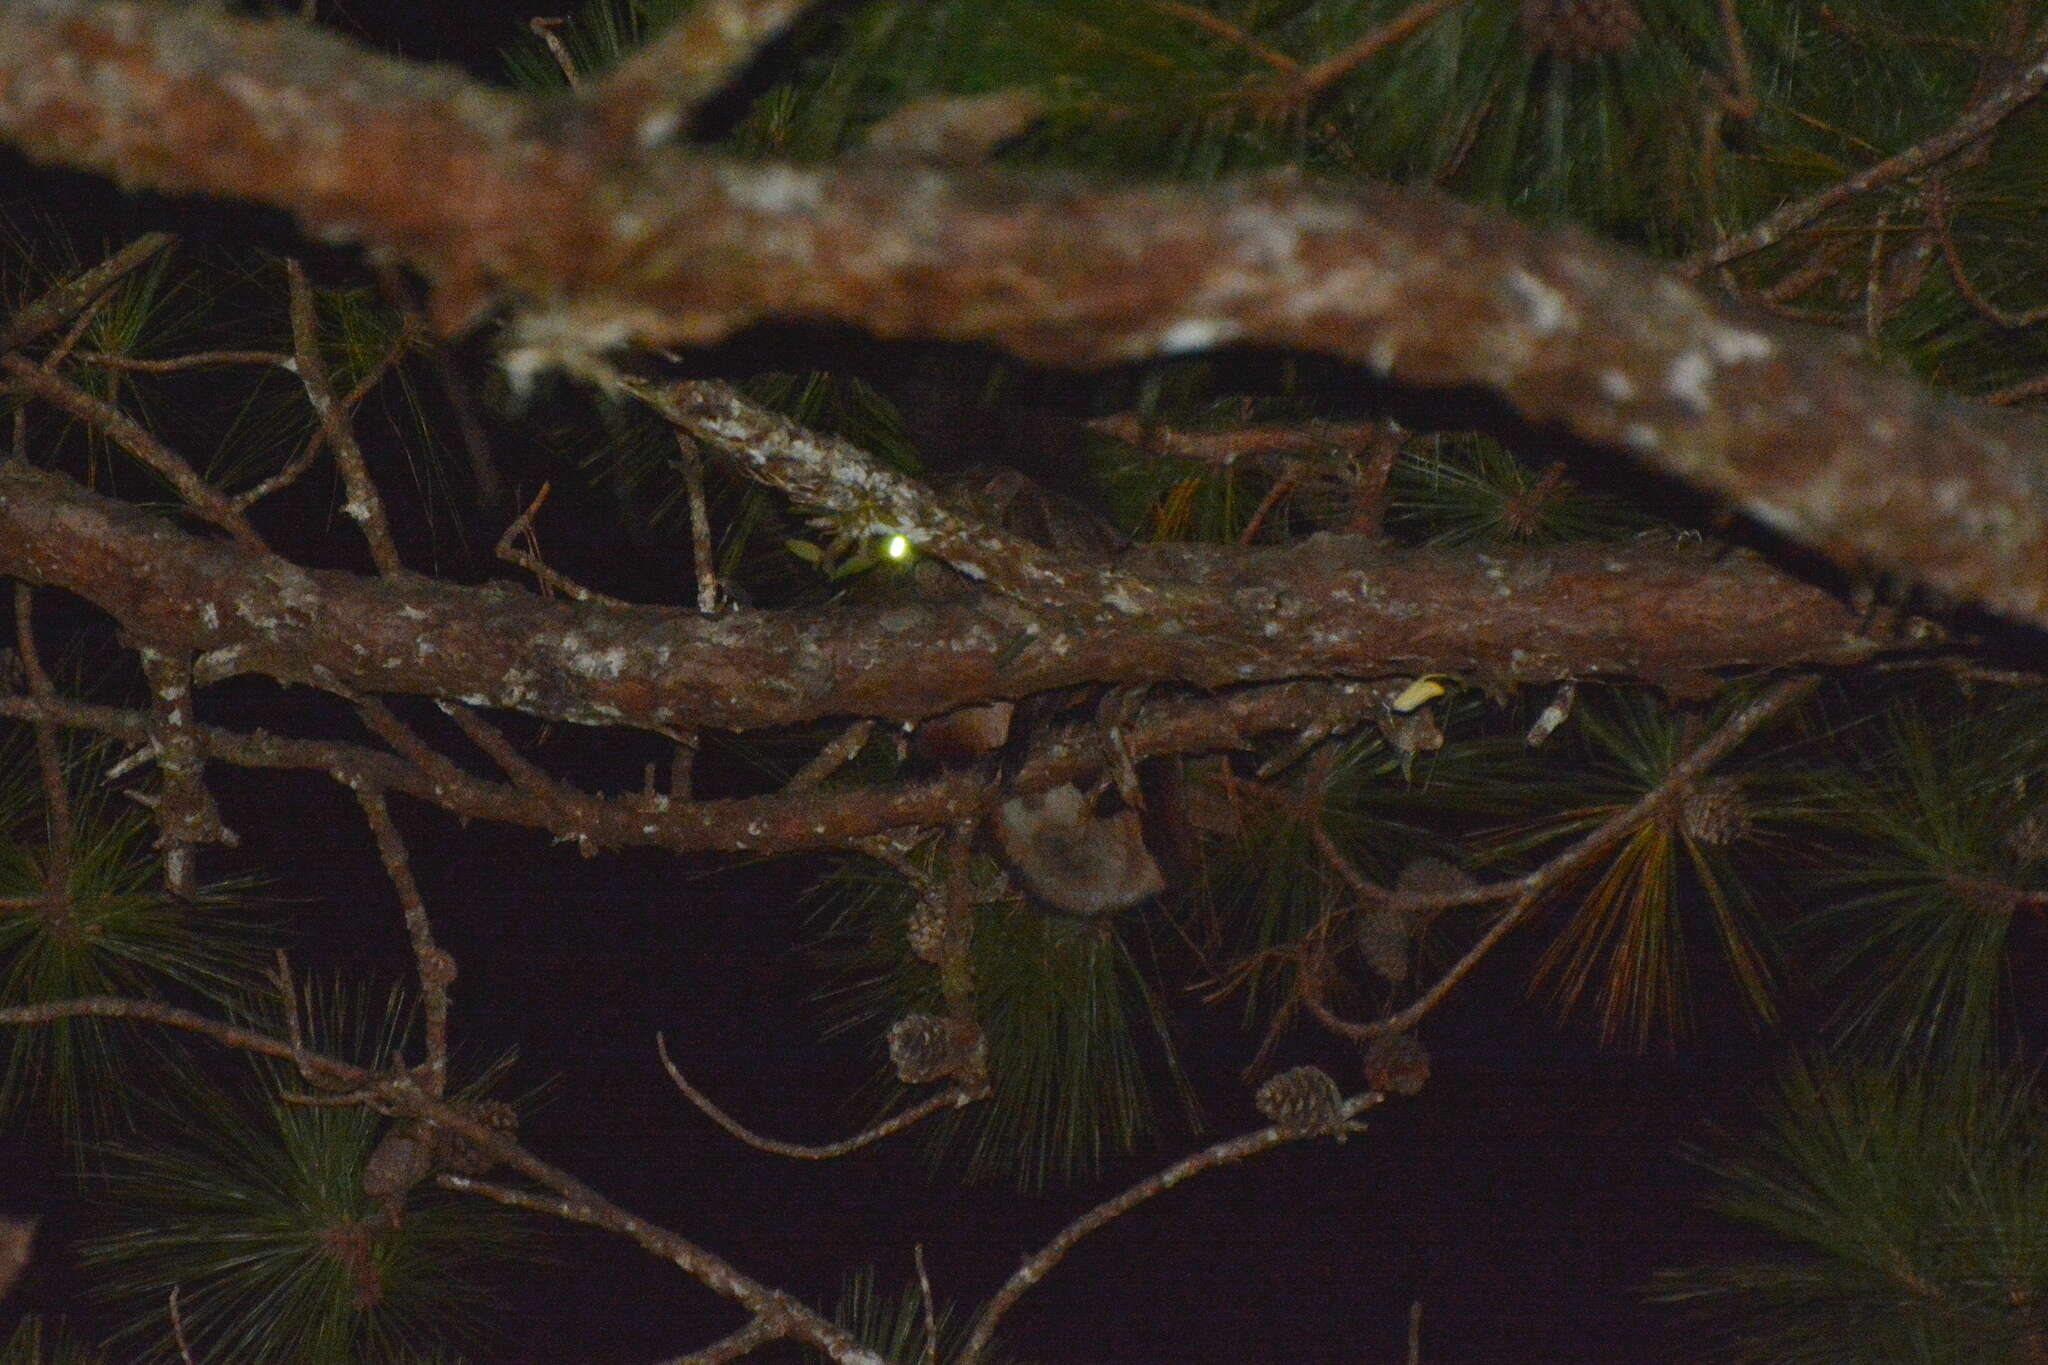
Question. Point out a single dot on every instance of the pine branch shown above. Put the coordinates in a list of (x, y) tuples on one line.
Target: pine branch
[(675, 247), (1221, 616)]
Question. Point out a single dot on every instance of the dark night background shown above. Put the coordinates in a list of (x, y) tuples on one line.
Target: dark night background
[(1524, 1197)]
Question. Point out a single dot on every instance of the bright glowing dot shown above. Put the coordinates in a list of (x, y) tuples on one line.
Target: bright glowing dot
[(897, 548)]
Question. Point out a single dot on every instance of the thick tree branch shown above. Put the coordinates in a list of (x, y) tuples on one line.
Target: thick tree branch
[(495, 195), (1328, 606)]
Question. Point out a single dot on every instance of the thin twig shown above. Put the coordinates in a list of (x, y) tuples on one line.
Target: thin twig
[(1230, 33), (1937, 214), (178, 1328), (783, 1315), (931, 1318), (125, 432), (185, 813), (57, 814), (436, 965), (1336, 66), (832, 757), (703, 551), (525, 775), (757, 1333), (1036, 1266), (1740, 101), (192, 360), (529, 558), (364, 505), (544, 29), (1532, 888), (956, 1097), (1974, 122)]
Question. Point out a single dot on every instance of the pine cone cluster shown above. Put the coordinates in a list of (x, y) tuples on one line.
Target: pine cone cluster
[(928, 1047), (1397, 1064), (1576, 30), (1714, 812), (1302, 1101)]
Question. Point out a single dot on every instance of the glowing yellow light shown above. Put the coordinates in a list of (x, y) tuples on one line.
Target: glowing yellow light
[(897, 547)]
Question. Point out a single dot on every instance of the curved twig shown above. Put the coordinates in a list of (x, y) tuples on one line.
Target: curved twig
[(1041, 1262), (953, 1098)]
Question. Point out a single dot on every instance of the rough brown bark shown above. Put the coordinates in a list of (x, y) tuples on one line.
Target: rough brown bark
[(496, 197), (1327, 606)]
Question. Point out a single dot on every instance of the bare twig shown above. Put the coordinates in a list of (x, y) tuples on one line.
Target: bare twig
[(436, 965), (1231, 444), (185, 813), (1340, 64), (1041, 1262), (954, 1098), (703, 550), (757, 1333), (521, 530), (781, 1315), (191, 360), (170, 1016), (125, 432), (1229, 32), (525, 775), (931, 1316), (544, 29), (178, 1328), (57, 814), (832, 757), (364, 505), (1739, 100), (1937, 201)]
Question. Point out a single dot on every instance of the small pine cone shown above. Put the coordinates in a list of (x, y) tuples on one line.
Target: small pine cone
[(457, 1155), (927, 1047), (2027, 840), (1579, 29), (1397, 1064), (400, 1161), (1714, 812), (928, 931), (1427, 876), (1384, 936), (1302, 1101)]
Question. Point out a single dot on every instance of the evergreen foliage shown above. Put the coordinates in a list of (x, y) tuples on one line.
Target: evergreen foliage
[(1880, 851)]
